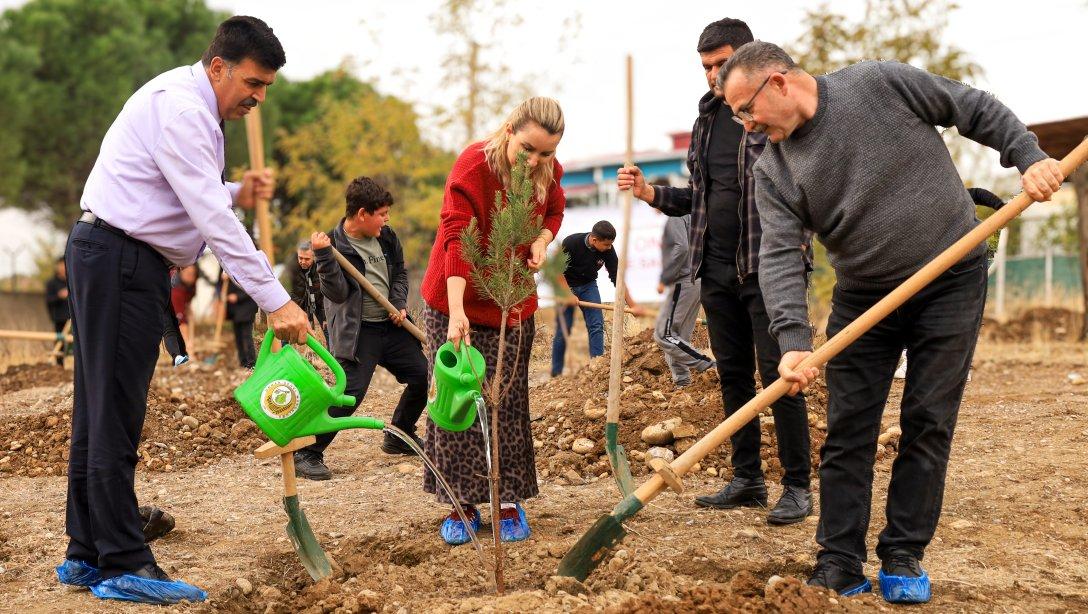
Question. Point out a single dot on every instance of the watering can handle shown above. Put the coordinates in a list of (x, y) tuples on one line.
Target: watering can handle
[(266, 348), (337, 370), (315, 345)]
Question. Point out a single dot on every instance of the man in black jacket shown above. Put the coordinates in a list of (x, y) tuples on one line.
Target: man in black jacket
[(56, 301), (306, 287), (725, 237), (362, 334)]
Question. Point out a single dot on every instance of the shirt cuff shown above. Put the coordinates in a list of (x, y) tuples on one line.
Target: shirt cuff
[(271, 296), (796, 338)]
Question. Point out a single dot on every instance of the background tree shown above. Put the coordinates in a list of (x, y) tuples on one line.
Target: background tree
[(356, 131), (66, 68), (476, 72)]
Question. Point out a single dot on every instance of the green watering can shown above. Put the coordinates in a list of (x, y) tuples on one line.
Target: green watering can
[(288, 398), (453, 407)]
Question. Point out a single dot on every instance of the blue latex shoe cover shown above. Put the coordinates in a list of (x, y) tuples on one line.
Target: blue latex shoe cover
[(130, 587), (453, 528), (77, 573), (905, 589), (514, 528), (864, 587)]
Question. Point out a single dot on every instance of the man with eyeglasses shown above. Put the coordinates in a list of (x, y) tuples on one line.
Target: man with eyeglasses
[(156, 194), (724, 242), (855, 158)]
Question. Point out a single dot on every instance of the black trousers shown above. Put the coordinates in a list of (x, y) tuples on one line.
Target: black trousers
[(741, 339), (119, 289), (243, 342), (395, 349), (938, 327)]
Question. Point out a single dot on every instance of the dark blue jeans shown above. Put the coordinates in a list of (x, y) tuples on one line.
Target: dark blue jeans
[(594, 326), (938, 327)]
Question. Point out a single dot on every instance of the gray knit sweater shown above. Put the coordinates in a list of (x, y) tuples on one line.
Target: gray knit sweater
[(871, 176)]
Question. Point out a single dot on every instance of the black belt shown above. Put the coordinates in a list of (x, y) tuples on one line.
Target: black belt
[(94, 220)]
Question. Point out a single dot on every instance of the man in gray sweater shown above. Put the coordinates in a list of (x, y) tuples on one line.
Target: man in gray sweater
[(676, 320), (854, 157)]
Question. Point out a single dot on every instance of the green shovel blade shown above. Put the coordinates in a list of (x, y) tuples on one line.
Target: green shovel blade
[(598, 541), (302, 537), (617, 457)]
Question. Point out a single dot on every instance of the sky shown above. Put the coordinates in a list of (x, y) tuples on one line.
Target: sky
[(1024, 49)]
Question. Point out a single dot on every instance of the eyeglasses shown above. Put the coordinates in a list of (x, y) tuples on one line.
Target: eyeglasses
[(744, 114)]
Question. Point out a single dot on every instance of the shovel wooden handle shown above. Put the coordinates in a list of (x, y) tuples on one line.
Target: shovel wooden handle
[(33, 335), (374, 294), (613, 308), (615, 385), (255, 142), (956, 252)]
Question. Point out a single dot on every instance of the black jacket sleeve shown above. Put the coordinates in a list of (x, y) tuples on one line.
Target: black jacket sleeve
[(398, 282)]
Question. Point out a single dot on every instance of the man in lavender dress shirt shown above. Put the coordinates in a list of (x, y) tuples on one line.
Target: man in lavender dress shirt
[(154, 198)]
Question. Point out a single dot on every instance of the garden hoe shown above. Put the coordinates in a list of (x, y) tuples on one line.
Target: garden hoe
[(595, 544)]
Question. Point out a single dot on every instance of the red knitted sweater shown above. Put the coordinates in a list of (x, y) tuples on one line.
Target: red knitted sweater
[(470, 192)]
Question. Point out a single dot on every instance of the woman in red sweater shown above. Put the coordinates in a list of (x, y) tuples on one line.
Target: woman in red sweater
[(454, 308)]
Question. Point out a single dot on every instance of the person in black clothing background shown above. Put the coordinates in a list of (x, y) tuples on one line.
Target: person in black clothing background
[(588, 252), (56, 302), (242, 311), (724, 236), (306, 287)]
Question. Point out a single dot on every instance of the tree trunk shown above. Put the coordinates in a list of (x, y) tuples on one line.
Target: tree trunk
[(496, 501), (1080, 186)]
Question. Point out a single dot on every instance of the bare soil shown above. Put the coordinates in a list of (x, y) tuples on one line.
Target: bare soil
[(1011, 537)]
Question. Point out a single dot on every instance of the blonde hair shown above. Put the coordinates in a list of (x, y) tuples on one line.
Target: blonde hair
[(544, 112)]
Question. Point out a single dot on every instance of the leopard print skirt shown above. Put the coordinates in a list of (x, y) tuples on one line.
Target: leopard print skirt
[(460, 456)]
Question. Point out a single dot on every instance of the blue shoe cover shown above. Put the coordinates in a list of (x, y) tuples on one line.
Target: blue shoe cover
[(514, 529), (864, 587), (77, 573), (129, 587), (453, 529), (905, 589)]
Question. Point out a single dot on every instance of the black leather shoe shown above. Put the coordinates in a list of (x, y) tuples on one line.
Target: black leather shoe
[(310, 466), (830, 574), (794, 506), (156, 522), (151, 571), (392, 444), (741, 492), (900, 562)]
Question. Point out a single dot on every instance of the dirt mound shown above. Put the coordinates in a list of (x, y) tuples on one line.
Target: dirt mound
[(390, 570), (744, 593), (21, 377), (571, 408), (1038, 324), (192, 420)]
